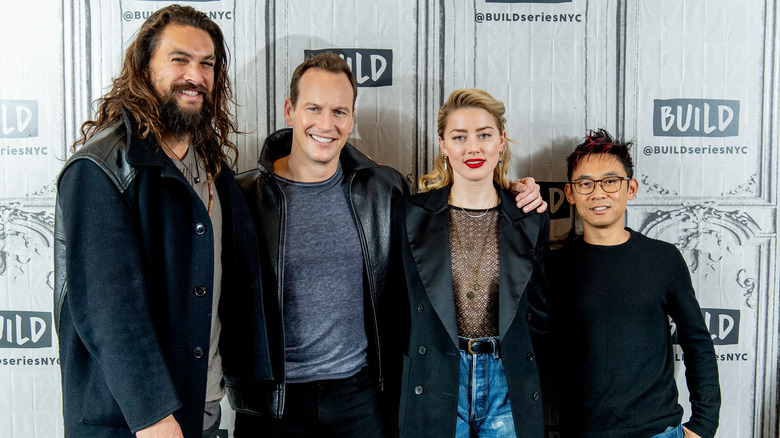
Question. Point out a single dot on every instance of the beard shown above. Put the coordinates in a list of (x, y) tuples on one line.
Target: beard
[(184, 122)]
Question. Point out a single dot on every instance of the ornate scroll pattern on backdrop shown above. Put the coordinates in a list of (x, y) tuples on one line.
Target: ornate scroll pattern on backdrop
[(26, 235), (705, 234), (749, 187), (749, 285), (651, 186)]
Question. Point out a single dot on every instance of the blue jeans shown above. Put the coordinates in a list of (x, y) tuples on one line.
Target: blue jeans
[(672, 432), (483, 398)]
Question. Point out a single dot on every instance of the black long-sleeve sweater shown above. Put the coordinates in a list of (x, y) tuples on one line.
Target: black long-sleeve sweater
[(610, 320)]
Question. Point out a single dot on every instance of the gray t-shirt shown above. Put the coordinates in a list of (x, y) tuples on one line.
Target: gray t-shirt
[(325, 336)]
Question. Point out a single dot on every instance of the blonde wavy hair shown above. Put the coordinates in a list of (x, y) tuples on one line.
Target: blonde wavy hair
[(460, 99)]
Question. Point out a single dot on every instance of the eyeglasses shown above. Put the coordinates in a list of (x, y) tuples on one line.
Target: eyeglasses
[(586, 186)]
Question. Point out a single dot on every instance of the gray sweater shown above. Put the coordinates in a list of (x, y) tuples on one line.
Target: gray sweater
[(325, 336)]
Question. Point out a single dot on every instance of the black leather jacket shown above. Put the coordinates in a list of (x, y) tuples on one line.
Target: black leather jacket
[(372, 190)]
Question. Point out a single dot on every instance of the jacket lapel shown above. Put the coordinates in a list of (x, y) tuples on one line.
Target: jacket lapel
[(519, 235), (427, 225)]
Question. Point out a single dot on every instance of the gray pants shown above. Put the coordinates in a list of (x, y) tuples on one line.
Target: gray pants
[(212, 410)]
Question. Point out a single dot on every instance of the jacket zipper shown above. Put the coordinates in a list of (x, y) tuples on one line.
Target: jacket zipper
[(280, 295)]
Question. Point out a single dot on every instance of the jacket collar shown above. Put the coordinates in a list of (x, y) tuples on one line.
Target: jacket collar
[(148, 152), (140, 152), (120, 152), (279, 145)]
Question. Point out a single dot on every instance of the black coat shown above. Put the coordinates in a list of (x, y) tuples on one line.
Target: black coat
[(431, 368), (133, 302)]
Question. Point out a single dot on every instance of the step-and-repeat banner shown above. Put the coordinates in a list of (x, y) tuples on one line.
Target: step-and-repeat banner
[(694, 83)]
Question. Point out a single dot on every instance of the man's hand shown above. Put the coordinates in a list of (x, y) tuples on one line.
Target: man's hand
[(165, 428), (689, 434), (528, 195)]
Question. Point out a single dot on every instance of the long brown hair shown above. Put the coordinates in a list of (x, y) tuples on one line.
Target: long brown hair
[(133, 91), (460, 99)]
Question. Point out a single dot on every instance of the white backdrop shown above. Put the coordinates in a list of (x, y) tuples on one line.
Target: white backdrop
[(693, 82)]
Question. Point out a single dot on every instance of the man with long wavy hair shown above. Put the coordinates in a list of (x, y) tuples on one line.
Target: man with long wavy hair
[(155, 245)]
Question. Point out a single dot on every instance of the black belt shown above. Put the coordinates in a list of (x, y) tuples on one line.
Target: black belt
[(476, 346)]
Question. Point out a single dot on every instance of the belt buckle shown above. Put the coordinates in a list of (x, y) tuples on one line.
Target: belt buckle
[(468, 348)]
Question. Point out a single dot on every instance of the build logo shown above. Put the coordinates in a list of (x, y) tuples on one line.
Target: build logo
[(371, 67), (723, 325), (20, 329), (695, 118), (18, 118), (553, 193)]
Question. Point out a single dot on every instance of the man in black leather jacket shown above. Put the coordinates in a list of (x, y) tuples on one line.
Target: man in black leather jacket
[(323, 210)]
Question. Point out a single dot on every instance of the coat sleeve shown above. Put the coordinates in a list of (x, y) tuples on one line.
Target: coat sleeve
[(393, 318), (701, 368), (107, 297), (538, 298)]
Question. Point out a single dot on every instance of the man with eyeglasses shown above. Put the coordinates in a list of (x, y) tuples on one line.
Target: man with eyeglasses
[(612, 292)]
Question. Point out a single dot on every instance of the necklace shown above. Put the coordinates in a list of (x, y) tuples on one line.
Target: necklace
[(181, 160), (492, 204), (475, 287), (211, 187)]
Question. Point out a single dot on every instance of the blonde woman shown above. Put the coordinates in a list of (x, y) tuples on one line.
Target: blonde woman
[(473, 265)]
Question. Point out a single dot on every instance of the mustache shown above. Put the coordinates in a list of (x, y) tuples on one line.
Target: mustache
[(189, 86)]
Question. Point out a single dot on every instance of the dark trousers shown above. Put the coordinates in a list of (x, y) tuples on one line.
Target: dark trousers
[(348, 407)]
